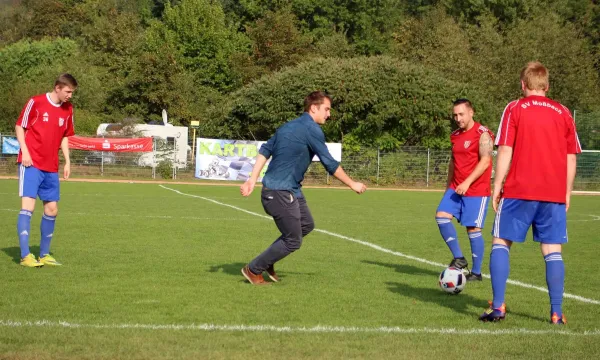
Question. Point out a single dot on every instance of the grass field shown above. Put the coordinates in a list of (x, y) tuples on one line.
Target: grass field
[(153, 273)]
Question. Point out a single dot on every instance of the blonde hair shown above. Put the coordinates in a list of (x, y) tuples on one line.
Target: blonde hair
[(535, 76)]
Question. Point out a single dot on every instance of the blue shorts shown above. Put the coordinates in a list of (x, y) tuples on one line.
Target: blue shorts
[(468, 210), (34, 182), (515, 216)]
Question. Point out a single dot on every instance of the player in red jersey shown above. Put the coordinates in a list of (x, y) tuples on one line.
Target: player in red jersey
[(468, 188), (42, 129), (537, 146)]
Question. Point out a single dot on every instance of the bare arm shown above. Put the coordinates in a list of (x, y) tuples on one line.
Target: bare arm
[(450, 172), (248, 186), (571, 170), (64, 146), (485, 158), (25, 156), (341, 175), (502, 166)]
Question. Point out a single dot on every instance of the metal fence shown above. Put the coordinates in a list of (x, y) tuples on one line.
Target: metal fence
[(415, 167)]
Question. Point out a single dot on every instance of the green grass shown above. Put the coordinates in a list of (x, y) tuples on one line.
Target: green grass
[(141, 254)]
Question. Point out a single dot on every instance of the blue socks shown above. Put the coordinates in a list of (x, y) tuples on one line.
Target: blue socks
[(47, 230), (477, 246), (555, 279), (23, 230), (448, 232), (499, 269)]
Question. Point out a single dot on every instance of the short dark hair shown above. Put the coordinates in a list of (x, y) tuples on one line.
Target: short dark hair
[(315, 98), (463, 101), (66, 80)]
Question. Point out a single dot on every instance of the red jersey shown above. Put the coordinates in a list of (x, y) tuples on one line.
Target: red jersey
[(541, 132), (465, 156), (45, 124)]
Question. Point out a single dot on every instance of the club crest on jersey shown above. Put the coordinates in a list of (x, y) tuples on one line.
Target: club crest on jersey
[(467, 144), (61, 122), (45, 117)]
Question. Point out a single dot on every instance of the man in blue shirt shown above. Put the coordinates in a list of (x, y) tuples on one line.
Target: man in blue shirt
[(291, 149)]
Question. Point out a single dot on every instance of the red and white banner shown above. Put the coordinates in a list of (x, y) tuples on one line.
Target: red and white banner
[(110, 144)]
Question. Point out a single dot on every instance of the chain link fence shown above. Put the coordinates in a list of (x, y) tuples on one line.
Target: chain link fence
[(412, 167)]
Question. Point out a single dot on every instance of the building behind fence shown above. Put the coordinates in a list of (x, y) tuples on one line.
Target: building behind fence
[(416, 167)]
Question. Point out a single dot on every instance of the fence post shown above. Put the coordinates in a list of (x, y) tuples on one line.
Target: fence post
[(377, 176), (102, 162), (153, 158), (428, 157), (175, 159)]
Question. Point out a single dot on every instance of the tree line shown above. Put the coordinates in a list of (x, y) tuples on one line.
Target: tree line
[(242, 67)]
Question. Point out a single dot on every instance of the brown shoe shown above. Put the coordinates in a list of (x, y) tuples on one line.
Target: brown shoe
[(253, 278), (272, 274)]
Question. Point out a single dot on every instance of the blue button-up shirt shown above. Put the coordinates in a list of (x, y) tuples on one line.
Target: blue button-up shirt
[(292, 148)]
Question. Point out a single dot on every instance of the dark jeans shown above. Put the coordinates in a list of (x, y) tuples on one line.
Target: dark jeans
[(292, 218)]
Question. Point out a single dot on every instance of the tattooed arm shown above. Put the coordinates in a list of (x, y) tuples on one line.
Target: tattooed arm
[(485, 159)]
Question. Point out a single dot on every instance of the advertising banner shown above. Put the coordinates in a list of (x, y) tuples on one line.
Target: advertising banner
[(10, 145), (233, 159), (111, 144)]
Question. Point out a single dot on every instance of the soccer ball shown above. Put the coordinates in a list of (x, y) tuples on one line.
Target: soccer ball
[(452, 280)]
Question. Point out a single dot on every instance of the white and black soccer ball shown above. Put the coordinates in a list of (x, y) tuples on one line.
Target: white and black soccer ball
[(452, 280)]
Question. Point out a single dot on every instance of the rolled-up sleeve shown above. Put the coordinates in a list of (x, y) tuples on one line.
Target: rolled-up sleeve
[(316, 141), (267, 148)]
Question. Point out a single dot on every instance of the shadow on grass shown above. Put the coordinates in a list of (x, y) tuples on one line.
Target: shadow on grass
[(458, 303), (14, 252), (235, 269), (404, 269), (230, 269)]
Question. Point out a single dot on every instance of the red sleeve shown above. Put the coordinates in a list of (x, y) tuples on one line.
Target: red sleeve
[(70, 131), (28, 113), (573, 144), (508, 125)]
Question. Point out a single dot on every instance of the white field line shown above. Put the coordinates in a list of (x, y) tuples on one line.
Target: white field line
[(319, 329), (387, 251)]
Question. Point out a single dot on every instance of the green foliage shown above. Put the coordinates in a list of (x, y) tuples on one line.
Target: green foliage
[(489, 57), (29, 59), (364, 22), (165, 169), (379, 100), (588, 129), (334, 45), (28, 68), (134, 58), (276, 43), (195, 34)]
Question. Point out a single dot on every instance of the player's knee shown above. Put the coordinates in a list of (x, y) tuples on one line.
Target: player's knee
[(498, 241), (28, 204), (51, 210), (442, 214), (307, 228), (294, 244), (550, 248)]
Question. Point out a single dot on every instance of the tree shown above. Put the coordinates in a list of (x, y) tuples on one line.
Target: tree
[(276, 43), (377, 100), (195, 30)]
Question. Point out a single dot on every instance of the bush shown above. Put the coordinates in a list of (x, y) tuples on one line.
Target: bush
[(377, 100), (165, 169)]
